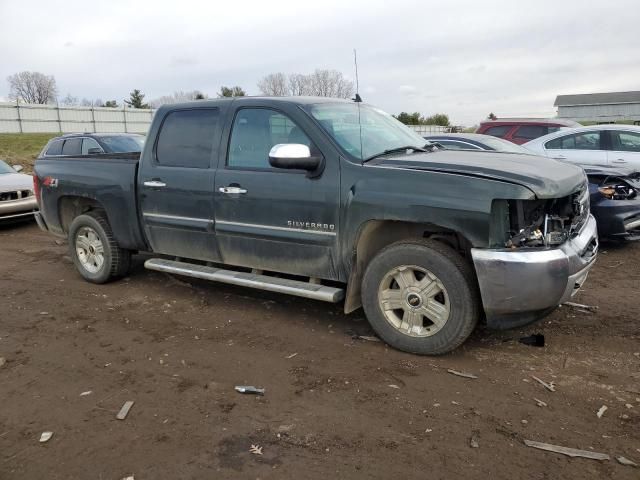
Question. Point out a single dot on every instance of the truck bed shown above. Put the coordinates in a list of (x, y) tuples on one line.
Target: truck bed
[(107, 179)]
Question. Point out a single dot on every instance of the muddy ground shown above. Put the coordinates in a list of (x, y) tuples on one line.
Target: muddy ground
[(334, 407)]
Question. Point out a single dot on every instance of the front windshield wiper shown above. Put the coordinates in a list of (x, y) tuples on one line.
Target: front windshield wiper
[(395, 150)]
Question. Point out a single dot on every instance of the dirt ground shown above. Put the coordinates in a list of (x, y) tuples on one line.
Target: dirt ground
[(334, 407)]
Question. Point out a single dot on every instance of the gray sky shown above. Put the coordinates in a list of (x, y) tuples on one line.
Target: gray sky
[(463, 58)]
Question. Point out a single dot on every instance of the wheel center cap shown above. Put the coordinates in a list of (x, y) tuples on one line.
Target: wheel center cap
[(92, 250), (414, 300)]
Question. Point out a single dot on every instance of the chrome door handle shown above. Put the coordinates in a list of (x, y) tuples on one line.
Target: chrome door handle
[(560, 157), (619, 160), (154, 184), (232, 190)]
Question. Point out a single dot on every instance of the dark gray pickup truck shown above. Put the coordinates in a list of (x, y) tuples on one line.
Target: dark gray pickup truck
[(331, 200)]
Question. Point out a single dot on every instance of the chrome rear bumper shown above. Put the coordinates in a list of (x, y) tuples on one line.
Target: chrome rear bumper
[(521, 286)]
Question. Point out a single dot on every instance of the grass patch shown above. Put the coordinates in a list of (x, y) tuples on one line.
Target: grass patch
[(23, 148)]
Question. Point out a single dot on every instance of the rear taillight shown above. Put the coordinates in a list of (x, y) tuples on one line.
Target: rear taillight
[(36, 188)]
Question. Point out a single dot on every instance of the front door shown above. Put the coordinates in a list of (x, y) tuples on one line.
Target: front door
[(176, 180), (625, 149), (273, 219)]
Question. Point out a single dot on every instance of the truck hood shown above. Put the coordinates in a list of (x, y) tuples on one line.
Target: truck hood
[(15, 181), (547, 178)]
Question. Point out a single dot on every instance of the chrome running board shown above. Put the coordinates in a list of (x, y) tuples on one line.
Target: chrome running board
[(247, 279)]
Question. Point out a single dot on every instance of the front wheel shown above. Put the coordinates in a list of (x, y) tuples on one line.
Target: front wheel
[(421, 297), (94, 250)]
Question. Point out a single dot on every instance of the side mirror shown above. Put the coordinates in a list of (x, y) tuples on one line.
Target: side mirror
[(18, 168), (294, 156), (93, 150)]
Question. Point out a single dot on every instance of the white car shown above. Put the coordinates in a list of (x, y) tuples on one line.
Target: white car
[(16, 193), (610, 144)]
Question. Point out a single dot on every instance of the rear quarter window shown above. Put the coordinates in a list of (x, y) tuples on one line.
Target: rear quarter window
[(498, 131), (55, 148), (72, 146)]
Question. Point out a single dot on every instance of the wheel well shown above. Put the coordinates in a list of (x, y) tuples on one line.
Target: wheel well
[(70, 207), (377, 234)]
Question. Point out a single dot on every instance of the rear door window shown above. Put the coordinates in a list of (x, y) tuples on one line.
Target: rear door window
[(529, 132), (577, 141), (72, 146), (55, 148), (498, 130), (187, 138)]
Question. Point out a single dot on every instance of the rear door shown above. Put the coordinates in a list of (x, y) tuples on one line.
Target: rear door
[(624, 149), (175, 184), (274, 219), (585, 148)]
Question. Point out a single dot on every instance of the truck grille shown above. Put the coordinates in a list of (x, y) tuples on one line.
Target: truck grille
[(14, 195)]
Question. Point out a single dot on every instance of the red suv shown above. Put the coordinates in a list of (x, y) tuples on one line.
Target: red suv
[(522, 130)]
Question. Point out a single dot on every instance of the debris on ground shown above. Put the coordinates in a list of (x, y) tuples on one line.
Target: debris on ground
[(549, 386), (601, 411), (535, 340), (249, 389), (366, 338), (44, 313), (88, 392), (580, 305), (474, 440), (291, 356), (256, 449), (2, 361), (571, 452), (462, 374), (625, 461), (393, 386), (540, 403), (45, 437), (124, 411), (130, 477)]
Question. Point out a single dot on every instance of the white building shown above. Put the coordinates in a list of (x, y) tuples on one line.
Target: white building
[(599, 107)]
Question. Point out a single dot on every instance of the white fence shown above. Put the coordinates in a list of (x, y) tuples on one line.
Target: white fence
[(29, 118), (430, 129)]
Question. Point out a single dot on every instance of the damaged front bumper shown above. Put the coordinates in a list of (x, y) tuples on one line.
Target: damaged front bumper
[(519, 286)]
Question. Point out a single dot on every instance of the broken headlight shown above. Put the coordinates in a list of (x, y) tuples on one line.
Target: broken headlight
[(538, 223)]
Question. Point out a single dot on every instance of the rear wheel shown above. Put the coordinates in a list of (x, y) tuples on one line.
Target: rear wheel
[(421, 297), (94, 250)]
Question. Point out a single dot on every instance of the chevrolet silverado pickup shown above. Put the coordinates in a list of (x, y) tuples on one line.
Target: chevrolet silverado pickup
[(331, 200)]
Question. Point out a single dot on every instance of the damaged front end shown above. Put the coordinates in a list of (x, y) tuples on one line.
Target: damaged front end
[(538, 223), (540, 254)]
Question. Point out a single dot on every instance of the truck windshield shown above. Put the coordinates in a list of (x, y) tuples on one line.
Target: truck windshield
[(123, 143), (380, 131)]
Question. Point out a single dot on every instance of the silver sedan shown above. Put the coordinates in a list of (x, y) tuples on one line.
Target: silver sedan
[(17, 199)]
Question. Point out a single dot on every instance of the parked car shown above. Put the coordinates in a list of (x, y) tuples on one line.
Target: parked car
[(76, 144), (610, 144), (614, 192), (16, 193), (522, 130), (340, 194), (475, 141)]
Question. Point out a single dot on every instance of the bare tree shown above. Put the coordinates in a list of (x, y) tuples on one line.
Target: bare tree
[(274, 85), (69, 100), (320, 83), (231, 92), (177, 97), (330, 83), (32, 87), (299, 84)]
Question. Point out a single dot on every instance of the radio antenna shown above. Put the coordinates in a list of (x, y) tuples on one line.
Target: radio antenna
[(355, 61)]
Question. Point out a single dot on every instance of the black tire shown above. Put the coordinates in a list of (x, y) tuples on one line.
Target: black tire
[(116, 260), (454, 273)]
